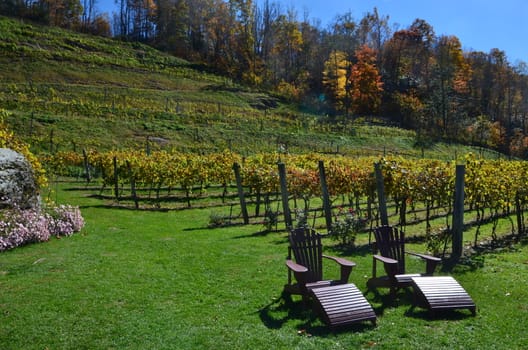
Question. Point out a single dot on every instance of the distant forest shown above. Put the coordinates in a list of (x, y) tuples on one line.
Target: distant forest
[(351, 68)]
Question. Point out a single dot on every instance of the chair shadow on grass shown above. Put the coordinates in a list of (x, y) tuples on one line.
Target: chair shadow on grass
[(405, 298), (285, 309), (348, 250), (383, 301), (443, 315), (262, 233)]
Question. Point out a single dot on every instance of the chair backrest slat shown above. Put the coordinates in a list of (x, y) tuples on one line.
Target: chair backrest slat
[(391, 243), (308, 251)]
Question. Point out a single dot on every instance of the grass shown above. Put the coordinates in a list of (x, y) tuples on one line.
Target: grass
[(163, 280)]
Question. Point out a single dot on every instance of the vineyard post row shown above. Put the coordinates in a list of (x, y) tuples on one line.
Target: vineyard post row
[(458, 214), (494, 189)]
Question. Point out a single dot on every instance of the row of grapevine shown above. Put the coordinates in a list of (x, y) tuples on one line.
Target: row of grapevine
[(75, 99), (497, 187)]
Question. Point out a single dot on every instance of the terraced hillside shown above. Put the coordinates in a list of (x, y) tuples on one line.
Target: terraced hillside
[(65, 91)]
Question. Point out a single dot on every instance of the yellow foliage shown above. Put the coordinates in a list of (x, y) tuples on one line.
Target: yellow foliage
[(9, 140), (335, 76)]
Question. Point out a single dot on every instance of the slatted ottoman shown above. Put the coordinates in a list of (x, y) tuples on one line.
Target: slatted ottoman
[(441, 293), (342, 304)]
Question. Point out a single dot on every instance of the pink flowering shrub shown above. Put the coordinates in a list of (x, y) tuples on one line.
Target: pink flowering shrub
[(19, 227), (65, 220)]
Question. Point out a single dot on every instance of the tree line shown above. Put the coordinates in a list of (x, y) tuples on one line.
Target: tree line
[(352, 67), (79, 15)]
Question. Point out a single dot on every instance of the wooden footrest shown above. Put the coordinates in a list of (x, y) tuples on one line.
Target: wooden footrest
[(441, 293), (342, 305)]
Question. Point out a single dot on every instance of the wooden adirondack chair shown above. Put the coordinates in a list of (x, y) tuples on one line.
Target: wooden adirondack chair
[(390, 241), (307, 249), (336, 301)]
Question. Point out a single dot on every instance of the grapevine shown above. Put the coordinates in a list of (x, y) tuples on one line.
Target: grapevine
[(495, 187)]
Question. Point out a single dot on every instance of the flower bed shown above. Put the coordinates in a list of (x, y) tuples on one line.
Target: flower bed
[(19, 227)]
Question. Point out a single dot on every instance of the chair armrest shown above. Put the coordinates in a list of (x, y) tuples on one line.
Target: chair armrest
[(425, 256), (296, 268), (431, 262), (300, 273), (390, 265), (385, 260), (346, 267), (340, 261)]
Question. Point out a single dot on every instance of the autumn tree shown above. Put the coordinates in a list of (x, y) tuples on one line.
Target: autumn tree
[(407, 56), (88, 13), (121, 19), (172, 22), (481, 131), (413, 111), (499, 69), (450, 85), (287, 47), (64, 13), (374, 31), (143, 19), (218, 30), (312, 58), (518, 143), (341, 41), (343, 36), (406, 67), (335, 79), (265, 17), (100, 25), (365, 80), (479, 83), (248, 68), (521, 105)]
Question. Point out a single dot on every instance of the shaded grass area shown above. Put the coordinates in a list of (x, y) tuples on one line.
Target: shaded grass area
[(163, 280)]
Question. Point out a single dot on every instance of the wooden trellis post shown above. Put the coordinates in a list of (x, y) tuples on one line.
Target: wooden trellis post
[(86, 166), (458, 214), (327, 207), (285, 196), (382, 202), (116, 179), (236, 169)]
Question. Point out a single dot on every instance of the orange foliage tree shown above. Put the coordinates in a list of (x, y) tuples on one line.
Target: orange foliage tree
[(366, 85)]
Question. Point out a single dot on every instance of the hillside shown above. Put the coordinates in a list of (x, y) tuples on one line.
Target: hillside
[(67, 91)]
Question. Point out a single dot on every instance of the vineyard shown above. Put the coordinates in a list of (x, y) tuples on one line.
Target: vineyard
[(65, 92), (420, 191), (59, 117)]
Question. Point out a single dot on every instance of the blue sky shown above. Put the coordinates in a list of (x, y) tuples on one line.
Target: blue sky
[(479, 24)]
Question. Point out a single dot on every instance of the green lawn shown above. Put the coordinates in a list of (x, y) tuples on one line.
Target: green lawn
[(163, 280)]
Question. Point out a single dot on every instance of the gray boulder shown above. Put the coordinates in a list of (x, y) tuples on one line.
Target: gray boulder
[(17, 181)]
